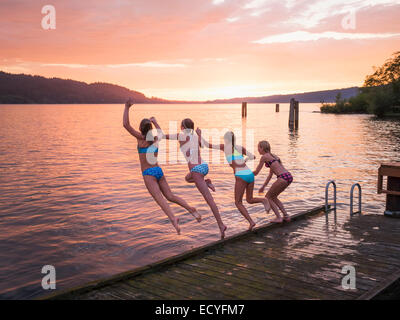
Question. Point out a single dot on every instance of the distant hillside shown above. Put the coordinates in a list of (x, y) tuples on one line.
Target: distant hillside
[(21, 88), (307, 97)]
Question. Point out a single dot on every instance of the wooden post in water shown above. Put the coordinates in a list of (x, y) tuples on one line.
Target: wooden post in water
[(277, 107), (392, 171), (244, 109), (291, 113), (296, 114)]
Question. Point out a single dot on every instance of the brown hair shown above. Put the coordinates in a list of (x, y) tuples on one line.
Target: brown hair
[(146, 126), (187, 123)]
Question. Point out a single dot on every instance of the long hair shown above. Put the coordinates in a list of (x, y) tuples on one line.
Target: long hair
[(230, 136), (264, 145), (145, 128)]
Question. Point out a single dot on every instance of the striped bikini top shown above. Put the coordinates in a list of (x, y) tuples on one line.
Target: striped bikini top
[(269, 163)]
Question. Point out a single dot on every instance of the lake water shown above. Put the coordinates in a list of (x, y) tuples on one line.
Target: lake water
[(72, 194)]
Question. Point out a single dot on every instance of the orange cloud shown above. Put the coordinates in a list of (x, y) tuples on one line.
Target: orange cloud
[(202, 49)]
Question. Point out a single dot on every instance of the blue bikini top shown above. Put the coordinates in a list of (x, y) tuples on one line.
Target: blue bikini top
[(235, 156), (150, 149)]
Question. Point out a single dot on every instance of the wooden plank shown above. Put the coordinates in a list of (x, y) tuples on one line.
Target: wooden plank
[(392, 278), (319, 284), (323, 255), (271, 289), (389, 171), (364, 238), (124, 292), (293, 257), (301, 273), (365, 260), (200, 283), (395, 193), (263, 280), (394, 165), (160, 291), (389, 256), (186, 287), (240, 289)]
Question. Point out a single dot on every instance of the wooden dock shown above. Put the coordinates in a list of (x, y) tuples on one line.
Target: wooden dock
[(298, 260)]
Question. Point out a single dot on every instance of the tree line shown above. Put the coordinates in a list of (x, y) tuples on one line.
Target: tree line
[(380, 94), (21, 88)]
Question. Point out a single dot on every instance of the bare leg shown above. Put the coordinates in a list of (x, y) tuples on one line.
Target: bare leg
[(286, 217), (240, 186), (166, 190), (189, 179), (155, 191), (250, 199), (203, 188), (210, 185), (272, 195)]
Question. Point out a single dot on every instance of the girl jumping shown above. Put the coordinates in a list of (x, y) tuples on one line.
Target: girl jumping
[(198, 169), (153, 175), (244, 177), (285, 178)]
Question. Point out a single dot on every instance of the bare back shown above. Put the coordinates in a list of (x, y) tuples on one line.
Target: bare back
[(274, 163), (235, 160), (147, 159), (190, 148)]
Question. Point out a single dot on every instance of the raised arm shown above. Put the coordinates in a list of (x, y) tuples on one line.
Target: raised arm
[(159, 130), (248, 154), (126, 123), (206, 144), (160, 133)]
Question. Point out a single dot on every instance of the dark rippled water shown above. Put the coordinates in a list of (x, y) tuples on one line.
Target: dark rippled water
[(72, 195)]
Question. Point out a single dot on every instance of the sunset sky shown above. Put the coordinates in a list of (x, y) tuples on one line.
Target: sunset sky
[(202, 49)]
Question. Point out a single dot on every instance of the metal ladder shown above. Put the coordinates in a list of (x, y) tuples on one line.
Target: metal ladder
[(327, 209), (351, 199)]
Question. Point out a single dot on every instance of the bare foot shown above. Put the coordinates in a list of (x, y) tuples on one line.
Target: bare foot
[(277, 220), (210, 185), (223, 231), (195, 214), (252, 224), (176, 225), (286, 219)]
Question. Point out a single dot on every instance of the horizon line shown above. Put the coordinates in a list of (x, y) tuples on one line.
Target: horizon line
[(181, 101)]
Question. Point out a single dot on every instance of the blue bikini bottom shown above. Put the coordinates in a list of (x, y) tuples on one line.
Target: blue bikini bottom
[(246, 175), (201, 168), (155, 172)]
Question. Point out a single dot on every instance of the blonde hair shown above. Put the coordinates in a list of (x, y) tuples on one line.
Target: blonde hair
[(265, 146)]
